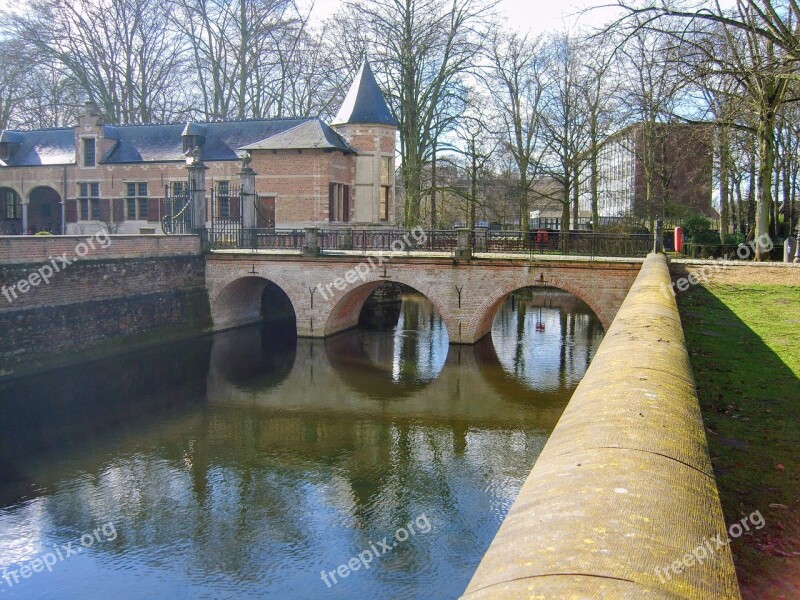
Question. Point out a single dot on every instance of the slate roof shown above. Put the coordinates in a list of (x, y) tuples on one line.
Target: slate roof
[(41, 147), (310, 134), (163, 143), (364, 103)]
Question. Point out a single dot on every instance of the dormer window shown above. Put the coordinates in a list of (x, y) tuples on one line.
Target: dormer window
[(189, 143), (89, 153), (193, 137), (9, 143)]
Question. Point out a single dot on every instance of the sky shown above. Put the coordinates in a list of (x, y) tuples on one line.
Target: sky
[(525, 15)]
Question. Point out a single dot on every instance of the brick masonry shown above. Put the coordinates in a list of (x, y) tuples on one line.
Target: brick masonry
[(39, 248), (235, 283), (98, 304)]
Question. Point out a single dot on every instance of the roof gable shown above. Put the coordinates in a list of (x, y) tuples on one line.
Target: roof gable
[(312, 134)]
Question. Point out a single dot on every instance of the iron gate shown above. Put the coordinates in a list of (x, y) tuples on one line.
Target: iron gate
[(226, 216), (177, 209)]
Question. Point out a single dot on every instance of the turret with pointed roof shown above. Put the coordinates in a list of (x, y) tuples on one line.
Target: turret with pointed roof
[(367, 124), (364, 103)]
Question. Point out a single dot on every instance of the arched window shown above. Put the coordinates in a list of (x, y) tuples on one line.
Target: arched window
[(10, 205)]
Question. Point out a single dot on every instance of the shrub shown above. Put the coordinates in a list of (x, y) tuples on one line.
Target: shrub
[(697, 230)]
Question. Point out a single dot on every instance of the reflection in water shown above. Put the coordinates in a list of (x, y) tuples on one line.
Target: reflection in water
[(246, 470), (546, 338)]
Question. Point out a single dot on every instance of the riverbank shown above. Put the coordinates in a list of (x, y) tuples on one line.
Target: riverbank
[(744, 345)]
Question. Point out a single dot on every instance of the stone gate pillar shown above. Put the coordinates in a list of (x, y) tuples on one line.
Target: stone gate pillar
[(197, 188), (247, 181)]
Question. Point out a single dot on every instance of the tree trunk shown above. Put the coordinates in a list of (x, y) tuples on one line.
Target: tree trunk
[(433, 188), (595, 184), (766, 142), (575, 198), (724, 181)]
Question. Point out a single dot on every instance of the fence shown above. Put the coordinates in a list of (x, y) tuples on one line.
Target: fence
[(542, 242)]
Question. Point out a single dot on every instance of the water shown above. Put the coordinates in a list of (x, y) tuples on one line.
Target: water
[(244, 464)]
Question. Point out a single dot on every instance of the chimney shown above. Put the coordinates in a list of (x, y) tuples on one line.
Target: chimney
[(90, 109)]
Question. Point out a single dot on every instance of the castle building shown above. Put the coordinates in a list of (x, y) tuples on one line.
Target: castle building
[(80, 179)]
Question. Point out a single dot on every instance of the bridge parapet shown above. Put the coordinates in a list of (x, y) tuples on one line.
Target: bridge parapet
[(623, 490)]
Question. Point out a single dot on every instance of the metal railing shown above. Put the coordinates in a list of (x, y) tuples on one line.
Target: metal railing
[(578, 243), (541, 242)]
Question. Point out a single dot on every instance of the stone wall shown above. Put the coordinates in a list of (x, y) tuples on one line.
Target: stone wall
[(623, 491), (94, 305)]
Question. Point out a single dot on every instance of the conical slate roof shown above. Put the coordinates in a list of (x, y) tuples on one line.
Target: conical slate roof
[(364, 103)]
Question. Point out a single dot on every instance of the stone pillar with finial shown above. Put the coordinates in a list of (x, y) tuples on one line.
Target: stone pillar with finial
[(247, 181), (197, 188)]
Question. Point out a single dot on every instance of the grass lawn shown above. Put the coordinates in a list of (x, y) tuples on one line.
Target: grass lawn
[(744, 344)]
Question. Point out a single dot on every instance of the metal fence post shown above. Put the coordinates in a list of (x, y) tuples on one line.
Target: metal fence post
[(658, 242)]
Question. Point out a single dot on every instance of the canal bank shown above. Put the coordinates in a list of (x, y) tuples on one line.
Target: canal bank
[(69, 298)]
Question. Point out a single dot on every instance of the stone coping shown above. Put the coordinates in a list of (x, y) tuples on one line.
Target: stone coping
[(624, 485)]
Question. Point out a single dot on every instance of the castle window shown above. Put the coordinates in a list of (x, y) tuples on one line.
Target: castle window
[(386, 187), (224, 200), (136, 201), (10, 205), (339, 203), (89, 201), (89, 158)]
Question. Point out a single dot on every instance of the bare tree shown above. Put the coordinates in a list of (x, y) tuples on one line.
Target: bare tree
[(516, 81), (565, 126), (763, 55), (423, 49), (122, 53)]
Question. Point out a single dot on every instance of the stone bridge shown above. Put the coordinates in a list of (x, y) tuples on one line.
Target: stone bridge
[(328, 292)]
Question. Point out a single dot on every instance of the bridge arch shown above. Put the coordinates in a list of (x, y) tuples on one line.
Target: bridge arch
[(483, 318), (237, 299), (345, 312)]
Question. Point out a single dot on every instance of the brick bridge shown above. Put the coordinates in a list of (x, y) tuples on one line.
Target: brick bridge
[(328, 292)]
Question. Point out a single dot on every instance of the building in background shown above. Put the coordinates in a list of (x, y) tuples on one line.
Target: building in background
[(95, 175), (675, 159)]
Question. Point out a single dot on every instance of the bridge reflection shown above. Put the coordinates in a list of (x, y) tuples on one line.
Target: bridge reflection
[(413, 369), (280, 457)]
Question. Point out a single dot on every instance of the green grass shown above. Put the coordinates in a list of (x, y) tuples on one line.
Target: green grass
[(744, 344)]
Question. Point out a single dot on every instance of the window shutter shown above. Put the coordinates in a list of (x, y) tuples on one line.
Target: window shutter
[(118, 214), (105, 209), (71, 211), (153, 210), (331, 201), (346, 215)]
